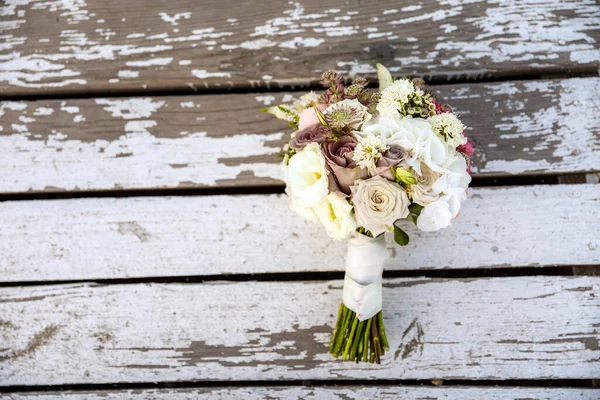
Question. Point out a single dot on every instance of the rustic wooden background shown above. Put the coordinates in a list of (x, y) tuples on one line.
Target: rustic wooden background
[(146, 249)]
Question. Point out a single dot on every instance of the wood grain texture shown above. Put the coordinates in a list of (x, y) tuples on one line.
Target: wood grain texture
[(321, 393), (524, 128), (211, 235), (99, 45), (495, 328)]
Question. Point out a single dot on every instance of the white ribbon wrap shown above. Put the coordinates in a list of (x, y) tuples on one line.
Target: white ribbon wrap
[(364, 268)]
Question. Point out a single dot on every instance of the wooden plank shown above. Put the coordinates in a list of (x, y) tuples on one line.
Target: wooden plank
[(210, 235), (99, 45), (524, 128), (494, 328), (313, 393)]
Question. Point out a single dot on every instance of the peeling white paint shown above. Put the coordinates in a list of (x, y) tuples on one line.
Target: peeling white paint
[(266, 100), (187, 104), (134, 108), (151, 62), (203, 74), (173, 19), (69, 109), (145, 167), (43, 111), (128, 74), (185, 62)]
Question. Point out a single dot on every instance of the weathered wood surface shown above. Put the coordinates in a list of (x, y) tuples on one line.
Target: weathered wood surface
[(99, 45), (210, 235), (530, 127), (321, 393), (495, 328)]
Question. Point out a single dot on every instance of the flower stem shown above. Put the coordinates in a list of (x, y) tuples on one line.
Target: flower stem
[(356, 340)]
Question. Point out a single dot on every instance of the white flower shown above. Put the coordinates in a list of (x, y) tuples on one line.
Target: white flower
[(283, 112), (394, 96), (335, 213), (416, 136), (308, 100), (368, 151), (378, 203), (449, 127), (307, 213), (307, 177), (346, 113), (455, 179), (435, 216)]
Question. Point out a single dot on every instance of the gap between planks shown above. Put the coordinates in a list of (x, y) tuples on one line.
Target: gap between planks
[(285, 389), (312, 84)]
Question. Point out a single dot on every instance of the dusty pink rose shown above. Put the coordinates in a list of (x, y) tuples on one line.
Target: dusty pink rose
[(314, 133), (338, 155), (308, 117), (392, 157)]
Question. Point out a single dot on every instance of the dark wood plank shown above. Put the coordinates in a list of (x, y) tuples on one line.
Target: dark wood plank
[(496, 328), (519, 128), (112, 45)]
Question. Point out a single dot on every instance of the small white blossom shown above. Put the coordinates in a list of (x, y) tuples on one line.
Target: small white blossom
[(449, 127), (393, 96), (308, 100), (368, 151), (283, 112)]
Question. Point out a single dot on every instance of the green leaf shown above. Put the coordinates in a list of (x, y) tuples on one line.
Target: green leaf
[(400, 236), (320, 116), (415, 208), (414, 211), (384, 76)]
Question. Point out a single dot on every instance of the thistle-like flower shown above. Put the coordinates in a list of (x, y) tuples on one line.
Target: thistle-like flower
[(346, 114), (331, 79), (368, 151)]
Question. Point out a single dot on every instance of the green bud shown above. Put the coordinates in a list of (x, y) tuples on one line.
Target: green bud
[(403, 176)]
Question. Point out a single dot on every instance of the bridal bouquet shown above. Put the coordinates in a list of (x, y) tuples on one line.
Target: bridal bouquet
[(361, 163)]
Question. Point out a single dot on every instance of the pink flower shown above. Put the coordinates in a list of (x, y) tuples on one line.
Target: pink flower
[(466, 149), (308, 117), (441, 109)]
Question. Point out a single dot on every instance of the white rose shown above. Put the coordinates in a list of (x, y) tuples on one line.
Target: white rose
[(378, 203), (435, 216), (307, 180), (335, 213)]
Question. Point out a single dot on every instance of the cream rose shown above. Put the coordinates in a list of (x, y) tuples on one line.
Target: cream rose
[(306, 176), (378, 203), (335, 213), (426, 190)]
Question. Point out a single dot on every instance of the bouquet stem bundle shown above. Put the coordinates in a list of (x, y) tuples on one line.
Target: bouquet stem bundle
[(356, 340)]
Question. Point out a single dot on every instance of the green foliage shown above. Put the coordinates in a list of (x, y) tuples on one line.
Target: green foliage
[(400, 236), (414, 211)]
